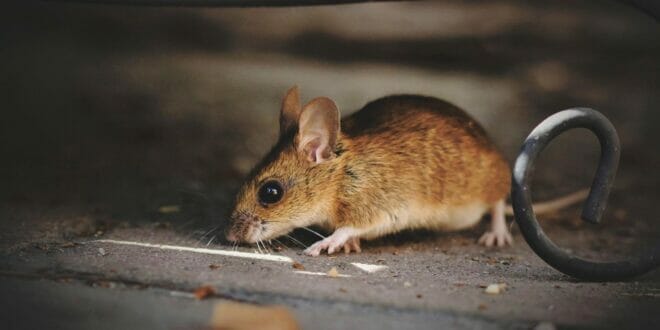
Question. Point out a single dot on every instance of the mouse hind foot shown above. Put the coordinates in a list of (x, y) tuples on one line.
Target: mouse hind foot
[(498, 235), (352, 244)]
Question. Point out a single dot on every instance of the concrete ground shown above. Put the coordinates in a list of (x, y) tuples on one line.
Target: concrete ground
[(124, 126)]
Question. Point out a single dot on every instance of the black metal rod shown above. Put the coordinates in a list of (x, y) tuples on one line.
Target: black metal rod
[(651, 7), (223, 3), (593, 207)]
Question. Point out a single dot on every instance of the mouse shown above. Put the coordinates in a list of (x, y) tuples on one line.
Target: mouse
[(401, 162)]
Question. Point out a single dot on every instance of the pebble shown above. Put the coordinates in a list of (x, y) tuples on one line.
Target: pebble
[(495, 288)]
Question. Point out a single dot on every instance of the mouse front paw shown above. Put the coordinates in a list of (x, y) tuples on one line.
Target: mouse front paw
[(334, 244), (345, 238), (315, 249), (498, 238)]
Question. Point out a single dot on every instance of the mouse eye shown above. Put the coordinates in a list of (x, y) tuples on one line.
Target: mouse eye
[(270, 192)]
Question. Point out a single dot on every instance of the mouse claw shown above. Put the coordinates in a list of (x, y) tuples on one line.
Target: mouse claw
[(499, 238), (352, 244), (334, 243), (314, 250)]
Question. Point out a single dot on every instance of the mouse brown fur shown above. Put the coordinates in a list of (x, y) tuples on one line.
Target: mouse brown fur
[(401, 162)]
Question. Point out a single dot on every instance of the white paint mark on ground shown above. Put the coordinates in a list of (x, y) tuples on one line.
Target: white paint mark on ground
[(369, 268), (237, 254), (304, 272), (182, 294)]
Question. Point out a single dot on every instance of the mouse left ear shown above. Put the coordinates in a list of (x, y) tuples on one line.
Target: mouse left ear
[(318, 129), (290, 111)]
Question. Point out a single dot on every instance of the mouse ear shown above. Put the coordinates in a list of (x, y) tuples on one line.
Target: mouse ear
[(318, 130), (290, 111)]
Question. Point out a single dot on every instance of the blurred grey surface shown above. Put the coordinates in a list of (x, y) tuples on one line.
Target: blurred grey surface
[(110, 112)]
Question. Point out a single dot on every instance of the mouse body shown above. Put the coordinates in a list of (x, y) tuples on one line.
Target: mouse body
[(401, 162)]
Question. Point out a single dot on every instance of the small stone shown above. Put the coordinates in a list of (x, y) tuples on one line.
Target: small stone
[(407, 284), (102, 252), (214, 266), (496, 288)]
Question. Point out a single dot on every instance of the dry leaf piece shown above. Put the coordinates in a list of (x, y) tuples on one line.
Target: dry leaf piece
[(298, 266), (333, 272), (214, 266), (241, 316), (204, 292)]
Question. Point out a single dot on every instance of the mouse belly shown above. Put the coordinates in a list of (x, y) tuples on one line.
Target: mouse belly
[(428, 216)]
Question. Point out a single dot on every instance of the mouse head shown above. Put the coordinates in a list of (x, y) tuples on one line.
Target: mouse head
[(294, 184)]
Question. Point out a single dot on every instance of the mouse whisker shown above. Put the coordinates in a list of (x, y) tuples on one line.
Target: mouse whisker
[(296, 241), (209, 232), (278, 241), (259, 248), (313, 232), (263, 244), (211, 240), (266, 247)]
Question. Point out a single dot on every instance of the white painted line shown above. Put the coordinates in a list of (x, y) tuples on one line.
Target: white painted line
[(304, 272), (369, 268), (182, 294), (238, 254)]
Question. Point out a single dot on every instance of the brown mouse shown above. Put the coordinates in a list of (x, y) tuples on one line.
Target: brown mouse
[(401, 162)]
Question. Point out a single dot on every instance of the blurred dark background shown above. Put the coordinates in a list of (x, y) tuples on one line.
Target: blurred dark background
[(110, 112)]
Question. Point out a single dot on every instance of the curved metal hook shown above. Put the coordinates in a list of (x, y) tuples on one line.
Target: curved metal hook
[(594, 206)]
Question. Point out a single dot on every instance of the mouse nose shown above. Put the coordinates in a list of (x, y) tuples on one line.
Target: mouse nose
[(231, 236)]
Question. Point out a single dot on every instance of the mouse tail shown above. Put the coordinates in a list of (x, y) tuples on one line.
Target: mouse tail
[(555, 204)]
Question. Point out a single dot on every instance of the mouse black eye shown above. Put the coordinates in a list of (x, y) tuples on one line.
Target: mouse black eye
[(270, 192)]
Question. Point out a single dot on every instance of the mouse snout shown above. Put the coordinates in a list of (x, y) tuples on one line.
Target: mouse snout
[(231, 236), (243, 227)]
